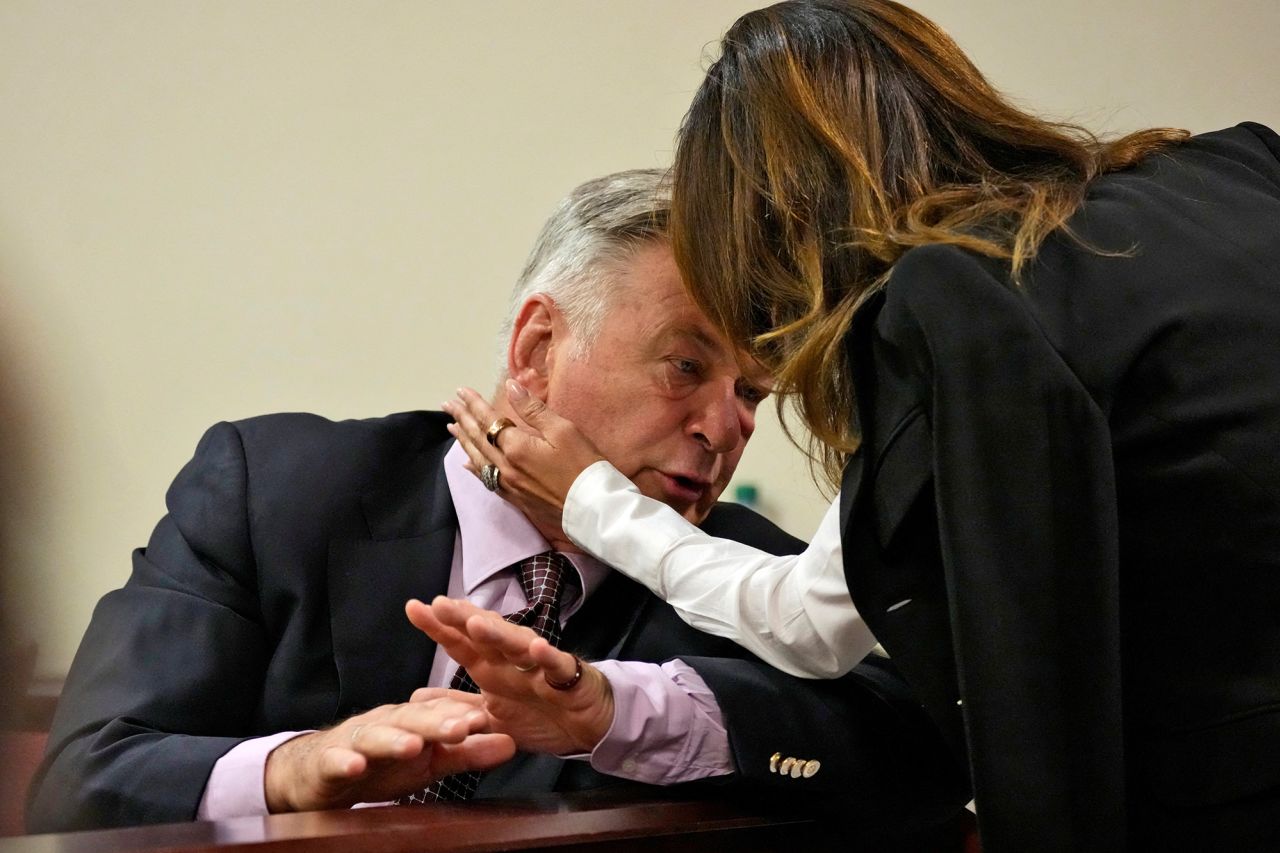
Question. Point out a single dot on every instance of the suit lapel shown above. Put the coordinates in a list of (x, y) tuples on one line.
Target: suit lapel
[(380, 657), (886, 480), (854, 484)]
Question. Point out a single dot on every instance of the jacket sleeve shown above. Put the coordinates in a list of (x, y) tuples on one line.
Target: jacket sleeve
[(881, 765), (170, 668), (1027, 522)]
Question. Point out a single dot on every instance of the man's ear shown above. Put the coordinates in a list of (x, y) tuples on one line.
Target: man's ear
[(531, 354)]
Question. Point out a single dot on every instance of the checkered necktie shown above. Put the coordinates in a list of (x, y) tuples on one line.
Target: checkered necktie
[(541, 578)]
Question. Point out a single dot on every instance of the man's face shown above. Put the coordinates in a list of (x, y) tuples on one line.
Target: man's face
[(659, 391)]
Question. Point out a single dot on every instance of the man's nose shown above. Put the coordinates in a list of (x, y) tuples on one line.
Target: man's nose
[(721, 421)]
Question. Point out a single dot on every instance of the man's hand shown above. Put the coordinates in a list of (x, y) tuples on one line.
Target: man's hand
[(384, 753), (522, 704)]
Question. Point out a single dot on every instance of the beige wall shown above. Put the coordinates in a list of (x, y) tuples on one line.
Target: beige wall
[(214, 209)]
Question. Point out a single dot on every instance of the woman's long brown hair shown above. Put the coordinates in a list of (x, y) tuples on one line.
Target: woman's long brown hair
[(829, 138)]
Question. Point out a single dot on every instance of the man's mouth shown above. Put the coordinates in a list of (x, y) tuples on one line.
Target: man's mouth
[(683, 488)]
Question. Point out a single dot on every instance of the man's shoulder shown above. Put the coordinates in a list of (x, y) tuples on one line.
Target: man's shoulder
[(415, 428), (737, 522), (275, 439), (300, 453)]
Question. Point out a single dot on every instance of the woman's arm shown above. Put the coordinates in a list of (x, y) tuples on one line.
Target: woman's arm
[(793, 612)]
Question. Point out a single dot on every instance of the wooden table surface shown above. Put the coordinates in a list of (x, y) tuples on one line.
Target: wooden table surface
[(612, 820)]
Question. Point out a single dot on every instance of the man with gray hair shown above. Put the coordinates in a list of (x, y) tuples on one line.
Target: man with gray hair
[(588, 237), (259, 660)]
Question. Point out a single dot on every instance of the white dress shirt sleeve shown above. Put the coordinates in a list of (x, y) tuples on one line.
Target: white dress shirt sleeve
[(793, 612)]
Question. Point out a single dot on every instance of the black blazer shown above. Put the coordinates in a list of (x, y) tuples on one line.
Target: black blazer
[(1064, 519), (270, 598)]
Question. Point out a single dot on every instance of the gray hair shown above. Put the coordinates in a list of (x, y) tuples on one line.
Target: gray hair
[(594, 230)]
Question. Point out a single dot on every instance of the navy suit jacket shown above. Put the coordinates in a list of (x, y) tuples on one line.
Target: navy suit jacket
[(270, 598)]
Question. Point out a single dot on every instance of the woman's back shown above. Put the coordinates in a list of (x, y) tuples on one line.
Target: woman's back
[(1156, 362), (1180, 343)]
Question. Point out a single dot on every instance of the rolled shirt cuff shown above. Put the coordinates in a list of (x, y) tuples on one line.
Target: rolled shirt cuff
[(667, 727)]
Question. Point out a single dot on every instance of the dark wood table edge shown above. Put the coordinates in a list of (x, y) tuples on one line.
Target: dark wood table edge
[(583, 820)]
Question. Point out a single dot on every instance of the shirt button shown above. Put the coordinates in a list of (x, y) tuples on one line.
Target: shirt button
[(629, 765)]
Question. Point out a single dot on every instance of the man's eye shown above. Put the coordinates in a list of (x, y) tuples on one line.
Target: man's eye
[(686, 366), (750, 393)]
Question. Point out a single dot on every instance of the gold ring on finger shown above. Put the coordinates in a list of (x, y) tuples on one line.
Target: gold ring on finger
[(530, 668), (496, 428), (355, 733)]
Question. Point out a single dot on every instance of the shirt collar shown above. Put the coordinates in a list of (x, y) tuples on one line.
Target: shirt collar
[(493, 534)]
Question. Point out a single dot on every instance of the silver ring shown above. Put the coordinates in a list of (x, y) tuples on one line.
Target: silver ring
[(530, 668), (489, 476), (355, 733)]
